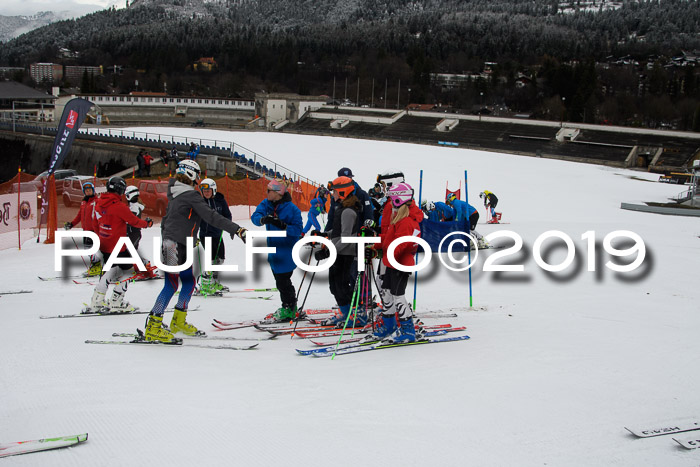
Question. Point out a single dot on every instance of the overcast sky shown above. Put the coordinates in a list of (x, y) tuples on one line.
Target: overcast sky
[(79, 7)]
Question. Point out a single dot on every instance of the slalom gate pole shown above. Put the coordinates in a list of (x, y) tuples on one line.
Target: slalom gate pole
[(355, 298), (415, 278), (469, 251), (301, 309)]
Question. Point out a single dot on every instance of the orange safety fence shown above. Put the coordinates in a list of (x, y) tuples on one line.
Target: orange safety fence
[(20, 217)]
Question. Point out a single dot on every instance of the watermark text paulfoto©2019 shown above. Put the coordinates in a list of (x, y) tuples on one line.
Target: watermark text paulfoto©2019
[(453, 239)]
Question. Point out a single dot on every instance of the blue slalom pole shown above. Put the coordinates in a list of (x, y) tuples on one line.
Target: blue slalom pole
[(469, 251), (415, 278)]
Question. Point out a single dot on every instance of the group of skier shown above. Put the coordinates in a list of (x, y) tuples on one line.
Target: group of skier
[(195, 209)]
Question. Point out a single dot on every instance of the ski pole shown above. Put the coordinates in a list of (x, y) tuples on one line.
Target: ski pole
[(347, 320), (311, 281), (305, 272), (76, 247)]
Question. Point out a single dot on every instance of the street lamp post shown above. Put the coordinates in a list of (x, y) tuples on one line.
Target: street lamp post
[(563, 110)]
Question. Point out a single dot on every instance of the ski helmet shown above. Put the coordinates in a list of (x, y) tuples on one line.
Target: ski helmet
[(132, 194), (481, 195), (390, 178), (87, 185), (451, 197), (277, 186), (400, 194), (207, 184), (116, 185), (344, 186), (189, 169), (427, 205)]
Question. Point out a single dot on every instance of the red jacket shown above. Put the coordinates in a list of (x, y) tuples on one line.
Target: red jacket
[(85, 214), (408, 226), (112, 216), (147, 158)]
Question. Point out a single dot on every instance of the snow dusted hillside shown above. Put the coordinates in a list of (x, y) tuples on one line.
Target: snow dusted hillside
[(557, 364)]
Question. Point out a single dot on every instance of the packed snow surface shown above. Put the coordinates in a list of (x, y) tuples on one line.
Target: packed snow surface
[(557, 365)]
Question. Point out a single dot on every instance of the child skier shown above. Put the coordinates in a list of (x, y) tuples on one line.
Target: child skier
[(317, 206), (210, 280), (404, 220), (465, 211), (490, 202), (277, 212), (112, 217), (85, 216), (186, 209), (134, 233), (341, 279), (438, 212)]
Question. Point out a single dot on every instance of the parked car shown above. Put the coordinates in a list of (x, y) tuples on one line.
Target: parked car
[(72, 188), (59, 175), (153, 195)]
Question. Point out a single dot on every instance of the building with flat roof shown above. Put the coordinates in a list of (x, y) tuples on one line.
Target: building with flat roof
[(28, 103), (46, 72)]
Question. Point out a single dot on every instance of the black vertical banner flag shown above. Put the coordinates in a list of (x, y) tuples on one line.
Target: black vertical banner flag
[(73, 116)]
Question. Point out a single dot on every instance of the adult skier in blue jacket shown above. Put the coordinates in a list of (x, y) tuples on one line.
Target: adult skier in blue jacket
[(465, 211), (277, 212)]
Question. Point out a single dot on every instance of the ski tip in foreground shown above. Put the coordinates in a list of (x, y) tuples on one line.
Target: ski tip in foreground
[(45, 444)]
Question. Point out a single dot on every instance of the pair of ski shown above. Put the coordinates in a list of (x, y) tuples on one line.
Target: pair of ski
[(687, 441), (377, 345), (139, 338), (352, 340), (137, 311), (312, 334), (36, 445)]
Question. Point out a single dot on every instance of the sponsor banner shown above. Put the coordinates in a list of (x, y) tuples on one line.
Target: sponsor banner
[(11, 209)]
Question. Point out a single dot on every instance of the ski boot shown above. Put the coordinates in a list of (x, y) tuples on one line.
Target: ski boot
[(95, 269), (339, 317), (498, 216), (219, 288), (206, 286), (283, 314), (406, 332), (494, 220), (178, 324), (482, 243), (97, 303), (383, 327), (117, 304), (156, 331)]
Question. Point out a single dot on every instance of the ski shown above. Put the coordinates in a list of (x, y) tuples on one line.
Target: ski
[(58, 278), (175, 343), (231, 326), (664, 430), (689, 442), (204, 337), (358, 342), (271, 289), (25, 447), (380, 346), (89, 315), (426, 315), (12, 292), (358, 339), (128, 279), (338, 331)]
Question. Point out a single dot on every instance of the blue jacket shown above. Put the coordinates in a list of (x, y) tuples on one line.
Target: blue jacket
[(367, 211), (217, 203), (441, 213), (462, 210), (316, 207), (281, 261)]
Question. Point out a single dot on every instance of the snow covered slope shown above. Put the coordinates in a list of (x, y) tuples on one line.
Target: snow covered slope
[(557, 364)]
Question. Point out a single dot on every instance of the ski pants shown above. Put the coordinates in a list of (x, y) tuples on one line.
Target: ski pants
[(174, 254), (311, 221), (393, 293), (341, 280), (288, 294), (114, 274)]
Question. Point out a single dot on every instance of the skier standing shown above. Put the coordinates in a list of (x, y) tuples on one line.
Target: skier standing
[(277, 212), (404, 220), (316, 207), (134, 233), (366, 217), (85, 216), (112, 217), (465, 211), (210, 281), (186, 209), (340, 275)]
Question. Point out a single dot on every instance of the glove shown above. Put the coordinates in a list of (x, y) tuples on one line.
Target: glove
[(277, 222), (369, 223), (322, 254), (266, 219), (367, 231), (241, 233), (149, 221), (68, 225), (370, 252), (318, 233)]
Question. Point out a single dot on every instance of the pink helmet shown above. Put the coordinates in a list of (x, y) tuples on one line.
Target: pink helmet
[(400, 194), (279, 187)]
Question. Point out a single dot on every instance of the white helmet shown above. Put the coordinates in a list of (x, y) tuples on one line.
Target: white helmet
[(481, 195), (206, 184), (189, 168), (391, 178), (131, 193), (430, 206)]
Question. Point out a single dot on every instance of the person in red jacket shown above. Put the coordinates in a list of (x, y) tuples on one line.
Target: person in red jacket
[(111, 218), (403, 220), (85, 216)]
